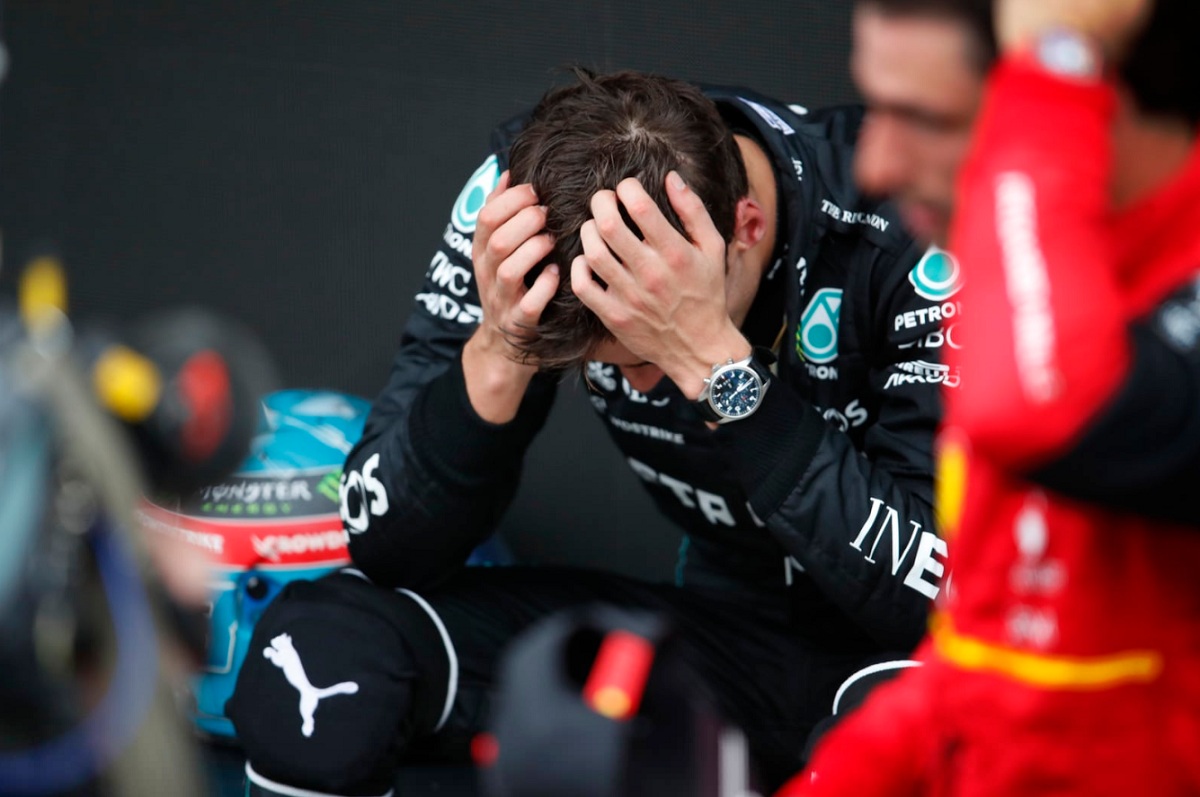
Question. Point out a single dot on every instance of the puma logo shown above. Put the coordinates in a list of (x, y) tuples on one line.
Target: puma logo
[(284, 656)]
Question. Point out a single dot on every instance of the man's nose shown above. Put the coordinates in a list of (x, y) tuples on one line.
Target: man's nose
[(643, 378)]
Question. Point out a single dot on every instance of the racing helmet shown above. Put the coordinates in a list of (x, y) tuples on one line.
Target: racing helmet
[(275, 520)]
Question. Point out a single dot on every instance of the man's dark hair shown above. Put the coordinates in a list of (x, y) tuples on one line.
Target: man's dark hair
[(975, 16), (590, 136), (1162, 68)]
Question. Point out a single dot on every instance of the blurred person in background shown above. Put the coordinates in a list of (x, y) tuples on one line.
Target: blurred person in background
[(1063, 660), (102, 615), (920, 67), (670, 244)]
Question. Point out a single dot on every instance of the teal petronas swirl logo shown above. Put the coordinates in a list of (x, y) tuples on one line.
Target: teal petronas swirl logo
[(474, 194), (817, 336), (937, 277)]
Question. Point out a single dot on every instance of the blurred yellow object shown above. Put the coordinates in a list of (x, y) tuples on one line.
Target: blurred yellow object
[(43, 294), (950, 485), (127, 383), (612, 702)]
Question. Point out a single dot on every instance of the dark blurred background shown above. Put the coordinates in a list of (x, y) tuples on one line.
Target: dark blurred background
[(293, 163)]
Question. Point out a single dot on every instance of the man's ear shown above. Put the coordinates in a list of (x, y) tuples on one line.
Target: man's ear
[(749, 225)]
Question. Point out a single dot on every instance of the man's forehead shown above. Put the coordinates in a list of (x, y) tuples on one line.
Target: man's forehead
[(912, 60)]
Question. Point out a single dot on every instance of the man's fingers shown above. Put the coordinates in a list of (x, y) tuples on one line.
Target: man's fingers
[(613, 229), (526, 223), (649, 218), (501, 185), (502, 206), (590, 292), (600, 259), (539, 295), (691, 211), (511, 272)]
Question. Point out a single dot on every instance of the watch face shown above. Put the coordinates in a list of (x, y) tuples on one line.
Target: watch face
[(735, 392), (1068, 54)]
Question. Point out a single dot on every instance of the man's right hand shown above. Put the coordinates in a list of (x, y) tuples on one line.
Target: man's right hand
[(509, 241), (1113, 24)]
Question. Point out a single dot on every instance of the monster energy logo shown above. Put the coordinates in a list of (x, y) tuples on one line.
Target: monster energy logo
[(270, 497)]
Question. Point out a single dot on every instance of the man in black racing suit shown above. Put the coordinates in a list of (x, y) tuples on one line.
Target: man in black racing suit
[(810, 551)]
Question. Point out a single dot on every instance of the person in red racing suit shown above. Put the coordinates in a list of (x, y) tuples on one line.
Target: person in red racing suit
[(1064, 656)]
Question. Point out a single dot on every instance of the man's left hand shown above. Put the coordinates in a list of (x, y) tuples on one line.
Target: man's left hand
[(665, 295)]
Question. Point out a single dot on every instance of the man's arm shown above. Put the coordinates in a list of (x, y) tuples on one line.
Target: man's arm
[(1130, 438), (441, 453), (1141, 452), (860, 521), (1071, 393), (861, 526), (1045, 344)]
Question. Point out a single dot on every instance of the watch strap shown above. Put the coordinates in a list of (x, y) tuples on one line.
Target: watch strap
[(706, 410), (761, 360)]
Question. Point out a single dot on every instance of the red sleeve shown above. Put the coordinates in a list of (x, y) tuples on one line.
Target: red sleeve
[(1043, 328)]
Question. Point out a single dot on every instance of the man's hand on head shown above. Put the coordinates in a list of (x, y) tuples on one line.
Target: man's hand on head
[(509, 242), (665, 294), (1112, 24)]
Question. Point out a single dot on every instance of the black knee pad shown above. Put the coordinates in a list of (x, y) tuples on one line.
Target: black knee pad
[(339, 675)]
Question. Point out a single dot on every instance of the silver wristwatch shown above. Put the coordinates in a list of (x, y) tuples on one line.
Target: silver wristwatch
[(735, 389), (1068, 53)]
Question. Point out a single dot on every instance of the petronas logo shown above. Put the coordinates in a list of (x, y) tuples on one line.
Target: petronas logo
[(937, 277), (474, 194), (817, 337)]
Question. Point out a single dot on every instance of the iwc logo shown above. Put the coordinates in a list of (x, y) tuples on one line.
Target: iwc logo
[(474, 194), (937, 277), (817, 336)]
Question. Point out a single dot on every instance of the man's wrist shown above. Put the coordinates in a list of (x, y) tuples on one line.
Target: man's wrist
[(1067, 53), (1110, 25), (735, 388), (496, 384), (689, 375)]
